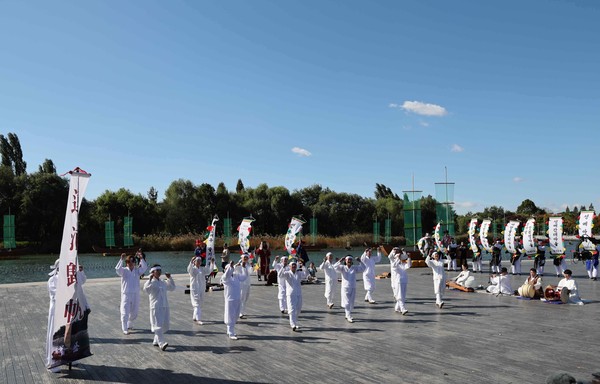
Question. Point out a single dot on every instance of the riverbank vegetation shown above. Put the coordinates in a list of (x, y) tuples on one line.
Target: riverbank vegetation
[(37, 199)]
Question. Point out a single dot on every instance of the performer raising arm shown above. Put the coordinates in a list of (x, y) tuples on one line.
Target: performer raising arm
[(159, 305), (130, 289), (369, 262), (348, 291), (232, 280), (330, 278), (245, 284), (281, 286), (293, 278), (439, 277), (198, 275), (399, 264)]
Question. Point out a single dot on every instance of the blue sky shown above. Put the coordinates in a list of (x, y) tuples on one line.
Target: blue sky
[(346, 94)]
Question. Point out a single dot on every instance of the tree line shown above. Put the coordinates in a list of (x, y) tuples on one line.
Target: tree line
[(38, 201)]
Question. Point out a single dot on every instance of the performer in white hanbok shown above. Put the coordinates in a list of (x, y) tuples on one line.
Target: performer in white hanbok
[(81, 278), (439, 276), (393, 276), (500, 283), (369, 261), (463, 281), (130, 290), (293, 279), (400, 262), (245, 286), (571, 286), (330, 278), (159, 304), (232, 280), (281, 263), (348, 290), (198, 275), (52, 281)]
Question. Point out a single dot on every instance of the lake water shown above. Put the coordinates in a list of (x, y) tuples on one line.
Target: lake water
[(36, 267)]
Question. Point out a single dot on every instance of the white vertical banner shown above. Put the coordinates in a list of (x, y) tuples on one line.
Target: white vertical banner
[(210, 241), (244, 234), (67, 308), (472, 242), (510, 232), (555, 235), (585, 225), (529, 243), (437, 238), (294, 227), (483, 233)]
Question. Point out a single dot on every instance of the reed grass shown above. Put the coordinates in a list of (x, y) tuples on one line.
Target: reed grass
[(163, 242)]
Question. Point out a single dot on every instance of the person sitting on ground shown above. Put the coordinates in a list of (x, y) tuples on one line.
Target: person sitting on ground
[(570, 284), (532, 287), (312, 273), (500, 283), (464, 281)]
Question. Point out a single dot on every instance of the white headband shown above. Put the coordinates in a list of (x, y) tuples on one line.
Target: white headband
[(157, 268)]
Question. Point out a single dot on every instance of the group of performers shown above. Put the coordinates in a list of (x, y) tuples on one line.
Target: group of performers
[(457, 256), (500, 280), (292, 273)]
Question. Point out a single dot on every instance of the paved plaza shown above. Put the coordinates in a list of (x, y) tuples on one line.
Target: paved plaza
[(475, 338)]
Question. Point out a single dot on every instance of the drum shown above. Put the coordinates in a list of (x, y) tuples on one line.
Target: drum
[(564, 295), (527, 290), (551, 293)]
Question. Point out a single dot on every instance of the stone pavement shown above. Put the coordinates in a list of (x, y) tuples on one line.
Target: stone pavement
[(475, 338)]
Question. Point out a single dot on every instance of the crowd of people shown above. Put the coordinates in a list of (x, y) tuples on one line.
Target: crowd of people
[(291, 272)]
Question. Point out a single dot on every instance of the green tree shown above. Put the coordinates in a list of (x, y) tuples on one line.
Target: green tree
[(239, 188), (153, 195), (528, 208), (494, 212), (6, 152), (428, 214), (18, 162), (342, 213), (392, 207), (10, 195), (12, 155), (42, 210), (206, 203), (119, 205), (382, 192), (309, 196), (47, 167), (180, 208)]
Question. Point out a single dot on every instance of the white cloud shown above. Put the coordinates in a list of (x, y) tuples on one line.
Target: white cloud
[(393, 105), (424, 124), (421, 108), (301, 152), (465, 206), (457, 148), (517, 179)]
